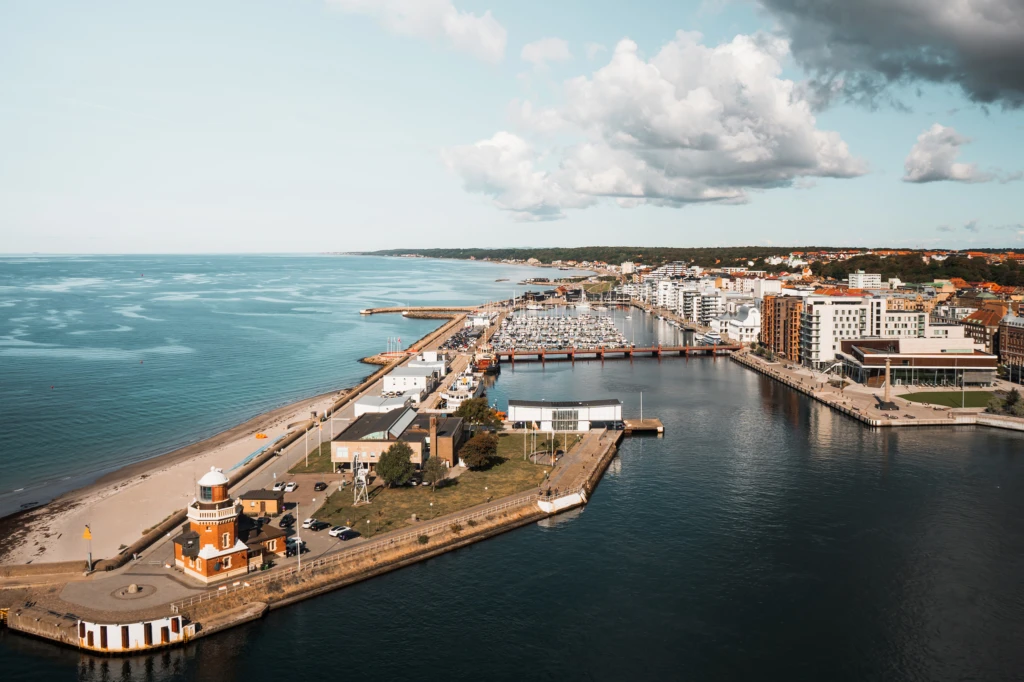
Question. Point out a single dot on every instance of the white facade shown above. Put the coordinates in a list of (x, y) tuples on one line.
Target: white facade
[(766, 287), (628, 269), (564, 416), (140, 636), (744, 326), (863, 280), (827, 321), (402, 379)]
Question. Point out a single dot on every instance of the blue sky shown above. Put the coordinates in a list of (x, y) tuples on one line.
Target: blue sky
[(333, 125)]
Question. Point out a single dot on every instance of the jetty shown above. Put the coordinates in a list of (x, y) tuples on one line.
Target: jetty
[(651, 425)]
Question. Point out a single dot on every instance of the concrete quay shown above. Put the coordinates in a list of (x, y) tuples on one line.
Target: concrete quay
[(861, 403)]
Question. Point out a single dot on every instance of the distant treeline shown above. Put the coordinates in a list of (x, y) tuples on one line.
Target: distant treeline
[(909, 268), (613, 255), (912, 268)]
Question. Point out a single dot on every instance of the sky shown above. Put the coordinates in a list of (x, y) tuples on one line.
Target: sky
[(352, 125)]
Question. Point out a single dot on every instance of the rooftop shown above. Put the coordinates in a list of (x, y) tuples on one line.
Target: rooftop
[(564, 403)]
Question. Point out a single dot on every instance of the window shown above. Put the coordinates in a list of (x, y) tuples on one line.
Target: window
[(227, 562), (199, 564), (225, 540), (205, 493), (191, 562), (272, 545)]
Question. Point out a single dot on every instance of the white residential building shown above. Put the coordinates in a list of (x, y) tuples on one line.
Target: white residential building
[(628, 268), (863, 280), (765, 287), (743, 326), (826, 321)]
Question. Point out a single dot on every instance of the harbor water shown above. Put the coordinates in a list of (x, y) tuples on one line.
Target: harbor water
[(763, 537)]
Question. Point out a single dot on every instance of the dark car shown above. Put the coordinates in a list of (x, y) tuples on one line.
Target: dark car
[(319, 525), (319, 485), (286, 521)]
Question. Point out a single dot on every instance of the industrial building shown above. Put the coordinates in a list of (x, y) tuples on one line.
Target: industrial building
[(371, 435)]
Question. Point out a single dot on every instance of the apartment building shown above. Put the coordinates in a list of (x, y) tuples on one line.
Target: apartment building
[(1011, 346), (780, 325), (864, 280), (827, 321)]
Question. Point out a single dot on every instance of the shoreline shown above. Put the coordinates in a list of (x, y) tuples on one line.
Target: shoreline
[(18, 526)]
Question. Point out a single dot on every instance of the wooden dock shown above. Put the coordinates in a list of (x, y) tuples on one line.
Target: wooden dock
[(652, 425)]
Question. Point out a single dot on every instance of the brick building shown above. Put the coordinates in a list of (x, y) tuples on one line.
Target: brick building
[(780, 325), (1011, 346)]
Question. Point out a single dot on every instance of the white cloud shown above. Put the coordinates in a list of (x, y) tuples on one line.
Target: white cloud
[(933, 158), (694, 124), (479, 35), (505, 168), (541, 52), (973, 227), (594, 49)]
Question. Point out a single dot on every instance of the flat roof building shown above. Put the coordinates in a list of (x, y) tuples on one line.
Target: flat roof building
[(560, 415), (372, 434)]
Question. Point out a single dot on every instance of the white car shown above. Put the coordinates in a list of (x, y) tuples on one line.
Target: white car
[(278, 487), (308, 522), (340, 532), (291, 486)]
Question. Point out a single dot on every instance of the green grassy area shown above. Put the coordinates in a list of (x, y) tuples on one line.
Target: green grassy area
[(951, 398), (319, 461), (392, 508)]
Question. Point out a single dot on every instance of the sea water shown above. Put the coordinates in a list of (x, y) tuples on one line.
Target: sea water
[(109, 360)]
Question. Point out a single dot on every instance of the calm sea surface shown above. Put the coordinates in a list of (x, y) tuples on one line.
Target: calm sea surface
[(105, 361), (764, 537)]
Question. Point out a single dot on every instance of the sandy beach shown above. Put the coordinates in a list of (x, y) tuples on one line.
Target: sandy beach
[(152, 489)]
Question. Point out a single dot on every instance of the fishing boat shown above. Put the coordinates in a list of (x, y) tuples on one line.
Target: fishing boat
[(486, 361), (501, 279)]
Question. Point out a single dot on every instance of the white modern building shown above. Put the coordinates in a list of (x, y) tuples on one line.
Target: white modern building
[(552, 415), (863, 280), (765, 287), (827, 321)]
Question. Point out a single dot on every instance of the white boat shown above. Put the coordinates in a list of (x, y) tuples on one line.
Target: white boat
[(712, 338), (534, 306)]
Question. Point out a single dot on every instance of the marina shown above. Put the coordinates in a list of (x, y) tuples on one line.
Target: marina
[(558, 333)]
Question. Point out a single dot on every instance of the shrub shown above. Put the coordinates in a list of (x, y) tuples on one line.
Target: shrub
[(456, 527), (423, 539)]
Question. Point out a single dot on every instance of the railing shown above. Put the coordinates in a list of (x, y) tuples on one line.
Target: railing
[(361, 549)]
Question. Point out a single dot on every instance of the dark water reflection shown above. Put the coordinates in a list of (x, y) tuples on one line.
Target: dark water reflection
[(764, 537)]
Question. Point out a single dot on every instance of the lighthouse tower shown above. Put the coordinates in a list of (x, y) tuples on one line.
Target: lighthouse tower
[(210, 549)]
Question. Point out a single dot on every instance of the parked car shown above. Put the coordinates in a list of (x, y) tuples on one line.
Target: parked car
[(278, 487), (318, 526), (291, 486), (320, 485), (291, 544), (308, 522), (286, 521), (340, 532)]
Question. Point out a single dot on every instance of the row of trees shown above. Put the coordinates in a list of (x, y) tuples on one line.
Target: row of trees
[(912, 268)]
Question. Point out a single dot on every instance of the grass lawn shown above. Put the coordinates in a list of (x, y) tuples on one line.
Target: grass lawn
[(599, 287), (319, 461), (951, 398), (392, 508)]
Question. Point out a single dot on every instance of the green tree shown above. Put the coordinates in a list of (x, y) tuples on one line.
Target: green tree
[(1017, 410), (995, 405), (477, 412), (1012, 399), (395, 465), (478, 450), (434, 471)]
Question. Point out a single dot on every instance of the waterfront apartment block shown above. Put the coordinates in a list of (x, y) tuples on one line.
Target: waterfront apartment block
[(780, 325), (1011, 346), (827, 321)]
